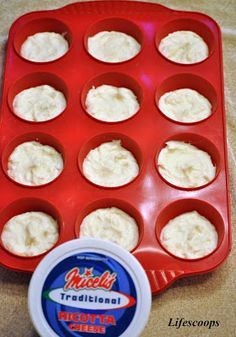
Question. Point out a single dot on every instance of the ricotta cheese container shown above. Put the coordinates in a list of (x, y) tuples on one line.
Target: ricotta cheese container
[(89, 286)]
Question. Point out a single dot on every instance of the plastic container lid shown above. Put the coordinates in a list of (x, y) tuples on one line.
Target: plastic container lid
[(88, 287)]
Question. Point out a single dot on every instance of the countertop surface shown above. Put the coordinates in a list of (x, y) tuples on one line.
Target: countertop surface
[(207, 297)]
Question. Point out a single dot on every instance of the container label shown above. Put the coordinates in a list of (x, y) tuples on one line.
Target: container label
[(87, 294)]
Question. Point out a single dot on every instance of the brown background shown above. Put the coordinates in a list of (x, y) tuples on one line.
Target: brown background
[(207, 297)]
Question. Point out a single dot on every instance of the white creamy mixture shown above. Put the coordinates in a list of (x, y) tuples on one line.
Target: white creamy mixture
[(184, 47), (185, 105), (189, 235), (44, 47), (111, 224), (32, 164), (113, 46), (39, 103), (111, 104), (30, 233), (184, 165), (110, 165)]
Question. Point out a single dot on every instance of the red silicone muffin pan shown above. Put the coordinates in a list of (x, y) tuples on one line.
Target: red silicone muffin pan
[(148, 198)]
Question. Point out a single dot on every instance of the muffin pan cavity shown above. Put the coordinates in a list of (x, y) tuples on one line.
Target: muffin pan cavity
[(108, 203), (42, 138), (115, 24), (200, 143), (40, 26), (185, 24), (182, 206), (34, 80), (119, 80), (126, 143), (187, 81), (21, 206)]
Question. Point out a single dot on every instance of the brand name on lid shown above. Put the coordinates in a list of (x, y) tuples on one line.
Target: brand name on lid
[(89, 293), (76, 280)]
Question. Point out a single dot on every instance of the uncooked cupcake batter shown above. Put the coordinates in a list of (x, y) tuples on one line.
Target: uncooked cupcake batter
[(184, 47), (30, 233), (189, 235), (44, 47), (184, 165), (113, 46), (33, 164), (185, 105), (39, 104), (110, 165), (111, 224), (111, 104)]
